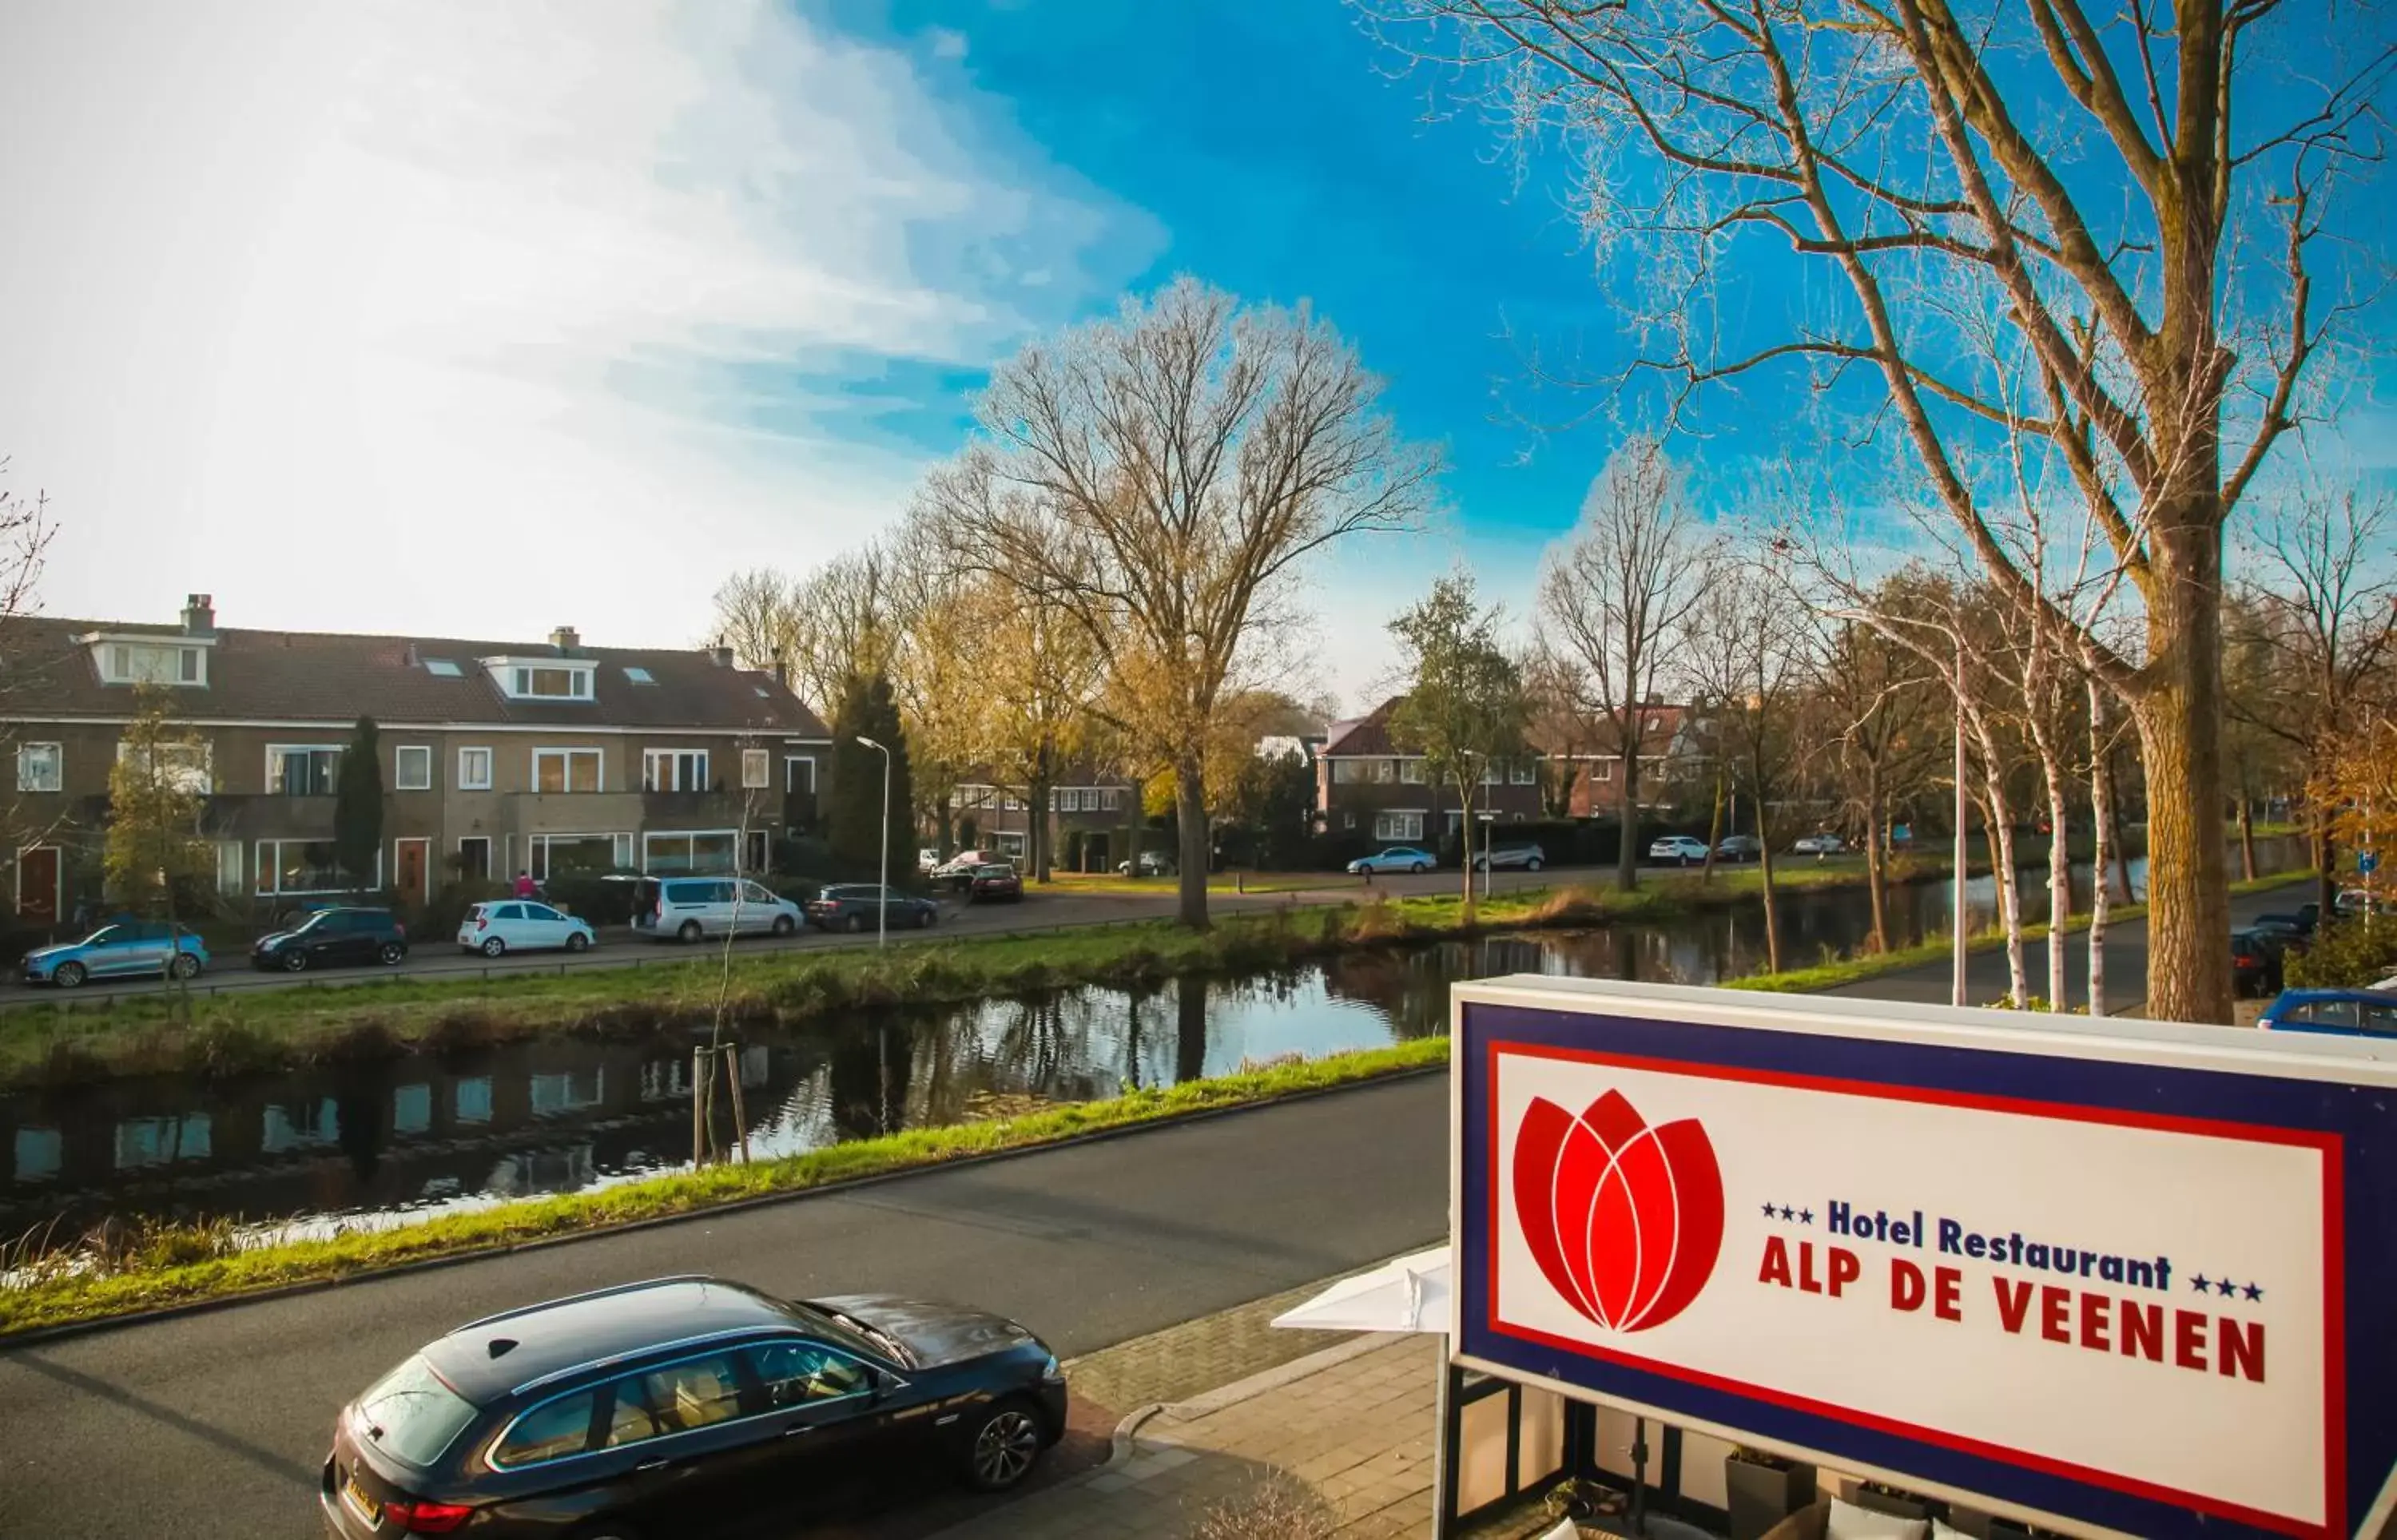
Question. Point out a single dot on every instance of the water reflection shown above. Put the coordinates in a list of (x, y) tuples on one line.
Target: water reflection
[(428, 1134)]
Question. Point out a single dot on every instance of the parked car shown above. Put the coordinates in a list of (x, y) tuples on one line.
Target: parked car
[(1396, 859), (1527, 858), (690, 907), (637, 1409), (1819, 845), (1739, 848), (2254, 963), (958, 870), (2303, 921), (519, 924), (2284, 931), (333, 937), (2353, 901), (928, 860), (130, 949), (2356, 1013), (854, 905), (1678, 847), (1153, 863), (996, 882)]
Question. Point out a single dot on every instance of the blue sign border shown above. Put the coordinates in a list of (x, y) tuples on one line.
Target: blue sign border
[(2357, 1117)]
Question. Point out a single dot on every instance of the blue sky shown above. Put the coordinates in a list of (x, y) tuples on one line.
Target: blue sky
[(554, 313)]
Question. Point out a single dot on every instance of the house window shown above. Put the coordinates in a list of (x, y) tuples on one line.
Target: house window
[(548, 684), (1524, 774), (441, 668), (756, 770), (1411, 772), (1603, 770), (474, 769), (754, 857), (412, 767), (673, 770), (182, 766), (565, 770), (1492, 774), (474, 856), (1392, 824), (153, 663), (302, 769), (1386, 771), (301, 866), (1347, 820), (707, 853), (1110, 800), (1348, 772), (799, 775), (229, 867), (40, 767), (549, 856), (639, 676)]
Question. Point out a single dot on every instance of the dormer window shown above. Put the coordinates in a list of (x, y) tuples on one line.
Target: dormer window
[(145, 661), (541, 679)]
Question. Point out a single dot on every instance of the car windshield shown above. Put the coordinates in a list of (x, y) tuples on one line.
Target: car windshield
[(411, 1415)]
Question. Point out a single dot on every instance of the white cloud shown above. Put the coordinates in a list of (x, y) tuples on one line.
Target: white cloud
[(447, 316)]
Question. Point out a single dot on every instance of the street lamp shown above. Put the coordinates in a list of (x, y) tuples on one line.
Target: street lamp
[(882, 896)]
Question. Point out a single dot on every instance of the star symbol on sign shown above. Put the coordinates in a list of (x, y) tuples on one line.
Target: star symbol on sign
[(2199, 1283), (1805, 1217), (2226, 1288), (1787, 1213), (1769, 1210), (2255, 1292)]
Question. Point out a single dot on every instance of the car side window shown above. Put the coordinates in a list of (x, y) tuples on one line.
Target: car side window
[(2380, 1018), (541, 911), (675, 1398), (799, 1373), (752, 894), (2335, 1013), (550, 1431)]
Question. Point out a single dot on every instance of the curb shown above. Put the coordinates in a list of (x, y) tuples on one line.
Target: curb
[(1127, 1434), (11, 1341)]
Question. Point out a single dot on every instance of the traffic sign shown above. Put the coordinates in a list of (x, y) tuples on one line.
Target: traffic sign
[(2367, 863)]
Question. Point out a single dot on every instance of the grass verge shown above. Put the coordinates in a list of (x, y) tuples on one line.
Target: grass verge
[(73, 1286)]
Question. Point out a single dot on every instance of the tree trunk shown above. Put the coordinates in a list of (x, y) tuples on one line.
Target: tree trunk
[(2246, 826), (1626, 856), (1765, 864), (2002, 876), (1465, 835), (1876, 874), (2325, 881), (2188, 899), (2122, 847), (2101, 814), (2059, 863), (1714, 837), (1036, 841), (1190, 807)]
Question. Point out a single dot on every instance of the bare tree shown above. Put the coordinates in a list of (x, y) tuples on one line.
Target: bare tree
[(1465, 708), (1159, 478), (25, 531), (843, 618), (2077, 177), (1617, 594), (1880, 696)]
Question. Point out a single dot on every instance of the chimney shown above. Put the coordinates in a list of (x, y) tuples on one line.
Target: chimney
[(565, 638), (782, 669), (722, 654), (199, 614)]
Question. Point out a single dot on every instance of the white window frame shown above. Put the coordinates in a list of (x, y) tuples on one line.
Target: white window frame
[(483, 840), (691, 834), (1110, 799), (1399, 825), (266, 870), (203, 782), (756, 770), (565, 780), (1411, 772), (230, 855), (467, 779), (1601, 770), (28, 781), (536, 859), (189, 666), (676, 759), (515, 677), (399, 781), (790, 766), (1525, 774), (275, 752)]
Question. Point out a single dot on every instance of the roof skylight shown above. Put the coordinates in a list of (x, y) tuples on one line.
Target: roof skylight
[(441, 668)]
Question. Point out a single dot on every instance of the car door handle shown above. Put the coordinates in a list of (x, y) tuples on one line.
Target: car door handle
[(653, 1464), (796, 1428)]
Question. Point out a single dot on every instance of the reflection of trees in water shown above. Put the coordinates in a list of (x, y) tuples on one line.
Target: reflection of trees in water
[(1189, 1029), (868, 1075)]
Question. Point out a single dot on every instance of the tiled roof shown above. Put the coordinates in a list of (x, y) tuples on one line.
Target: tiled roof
[(1369, 737), (330, 676)]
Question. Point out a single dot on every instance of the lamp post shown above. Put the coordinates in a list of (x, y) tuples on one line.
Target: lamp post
[(882, 894), (1958, 992)]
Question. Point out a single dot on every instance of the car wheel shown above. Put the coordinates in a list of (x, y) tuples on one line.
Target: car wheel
[(924, 920), (1531, 865), (494, 946), (690, 931), (857, 925), (785, 924), (1004, 1443), (577, 941), (393, 954), (1419, 868), (295, 961), (184, 966), (69, 976)]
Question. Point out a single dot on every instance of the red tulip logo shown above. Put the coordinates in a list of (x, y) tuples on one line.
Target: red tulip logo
[(1623, 1219)]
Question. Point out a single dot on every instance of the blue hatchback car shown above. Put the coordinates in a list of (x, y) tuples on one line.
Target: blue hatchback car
[(2346, 1013), (130, 948)]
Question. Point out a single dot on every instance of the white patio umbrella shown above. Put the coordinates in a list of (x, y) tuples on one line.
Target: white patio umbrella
[(1410, 1294)]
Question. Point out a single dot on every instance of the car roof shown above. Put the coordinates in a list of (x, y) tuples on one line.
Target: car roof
[(2303, 996), (561, 1335)]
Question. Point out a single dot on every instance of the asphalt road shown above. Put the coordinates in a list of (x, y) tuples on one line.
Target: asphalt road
[(215, 1424), (439, 957)]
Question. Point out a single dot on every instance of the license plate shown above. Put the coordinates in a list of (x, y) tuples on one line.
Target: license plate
[(356, 1495)]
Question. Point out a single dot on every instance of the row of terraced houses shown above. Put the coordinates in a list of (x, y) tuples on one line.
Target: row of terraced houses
[(549, 757)]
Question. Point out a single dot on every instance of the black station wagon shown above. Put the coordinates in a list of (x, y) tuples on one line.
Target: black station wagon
[(670, 1407)]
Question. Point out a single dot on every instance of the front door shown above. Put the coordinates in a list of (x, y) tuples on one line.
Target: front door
[(37, 886), (411, 866)]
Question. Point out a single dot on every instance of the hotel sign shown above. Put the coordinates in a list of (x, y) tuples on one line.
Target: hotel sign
[(2095, 1275)]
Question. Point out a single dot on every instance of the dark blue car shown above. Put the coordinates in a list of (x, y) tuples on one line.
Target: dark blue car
[(2346, 1013)]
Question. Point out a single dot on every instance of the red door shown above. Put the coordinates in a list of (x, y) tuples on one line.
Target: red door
[(37, 888), (411, 869)]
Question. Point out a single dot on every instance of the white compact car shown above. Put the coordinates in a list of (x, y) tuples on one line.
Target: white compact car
[(1819, 845), (1678, 847), (521, 924)]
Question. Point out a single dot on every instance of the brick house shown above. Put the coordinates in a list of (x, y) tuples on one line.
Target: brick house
[(1592, 749), (1098, 806), (553, 757), (1366, 784)]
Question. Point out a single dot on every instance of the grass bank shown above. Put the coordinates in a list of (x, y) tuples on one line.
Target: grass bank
[(72, 1040), (181, 1265)]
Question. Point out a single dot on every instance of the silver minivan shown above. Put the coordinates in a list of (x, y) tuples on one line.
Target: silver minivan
[(690, 907)]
